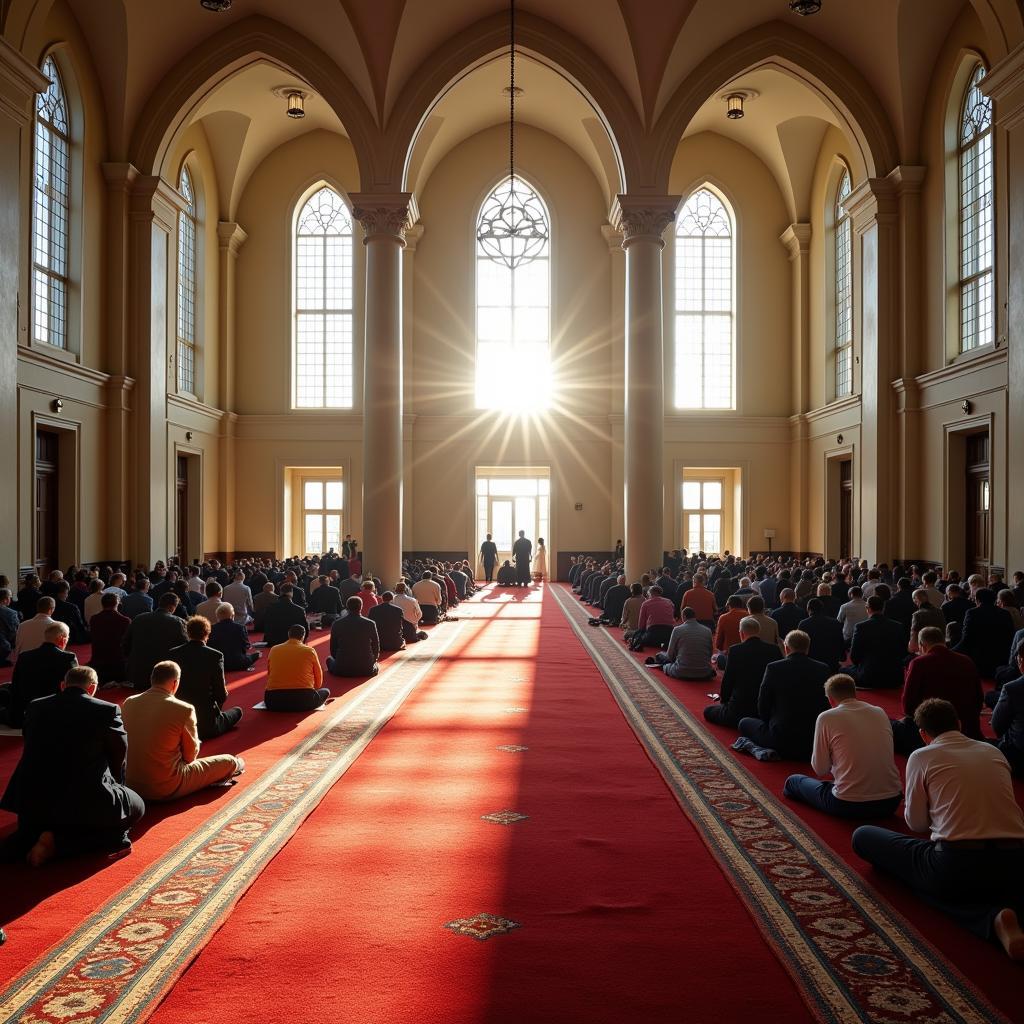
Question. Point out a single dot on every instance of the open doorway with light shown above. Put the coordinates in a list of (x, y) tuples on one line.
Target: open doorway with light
[(512, 499)]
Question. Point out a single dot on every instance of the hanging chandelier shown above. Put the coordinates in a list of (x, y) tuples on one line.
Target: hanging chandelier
[(513, 231)]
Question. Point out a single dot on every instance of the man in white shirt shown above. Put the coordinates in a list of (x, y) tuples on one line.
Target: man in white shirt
[(855, 610), (93, 604), (972, 865), (428, 593), (208, 608), (32, 632), (408, 604), (852, 742), (239, 596)]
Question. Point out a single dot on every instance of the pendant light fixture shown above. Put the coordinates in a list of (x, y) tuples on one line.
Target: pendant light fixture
[(805, 8), (512, 232)]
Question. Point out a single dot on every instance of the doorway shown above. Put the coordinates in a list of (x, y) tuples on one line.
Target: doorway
[(507, 504), (978, 510), (846, 508), (181, 545), (47, 503)]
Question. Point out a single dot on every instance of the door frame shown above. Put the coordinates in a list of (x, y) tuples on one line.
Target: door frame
[(954, 470), (535, 472), (833, 457), (69, 488), (193, 456)]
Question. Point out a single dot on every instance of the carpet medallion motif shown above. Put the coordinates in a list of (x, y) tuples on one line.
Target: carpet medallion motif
[(504, 817), (117, 965), (482, 926), (851, 955)]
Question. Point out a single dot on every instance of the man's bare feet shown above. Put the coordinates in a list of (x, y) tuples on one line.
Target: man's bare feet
[(1009, 933), (44, 850)]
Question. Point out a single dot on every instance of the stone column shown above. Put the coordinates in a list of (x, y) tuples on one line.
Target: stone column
[(642, 221), (384, 219), (230, 238), (616, 371), (797, 240), (412, 240), (19, 83), (1005, 84)]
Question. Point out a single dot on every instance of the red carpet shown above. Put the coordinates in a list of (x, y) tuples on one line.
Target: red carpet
[(610, 887)]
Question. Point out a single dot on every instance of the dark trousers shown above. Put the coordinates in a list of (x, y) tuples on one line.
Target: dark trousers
[(113, 672), (905, 735), (242, 664), (306, 699), (822, 796), (1013, 754), (721, 715), (653, 636), (222, 722), (971, 885), (759, 732), (489, 570), (430, 614), (5, 649), (348, 671)]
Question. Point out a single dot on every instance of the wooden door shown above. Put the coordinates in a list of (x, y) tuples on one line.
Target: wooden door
[(47, 469), (181, 546), (846, 508), (978, 514)]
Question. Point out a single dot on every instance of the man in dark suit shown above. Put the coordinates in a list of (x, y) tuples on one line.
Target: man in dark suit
[(987, 634), (489, 557), (9, 622), (38, 673), (284, 612), (389, 619), (789, 614), (744, 672), (107, 629), (901, 607), (826, 632), (954, 608), (1008, 718), (522, 552), (355, 643), (68, 613), (149, 639), (138, 602), (232, 640), (879, 649), (202, 681), (66, 789), (326, 600), (791, 697)]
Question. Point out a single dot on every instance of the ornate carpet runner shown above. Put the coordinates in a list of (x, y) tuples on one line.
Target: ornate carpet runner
[(852, 957), (117, 965)]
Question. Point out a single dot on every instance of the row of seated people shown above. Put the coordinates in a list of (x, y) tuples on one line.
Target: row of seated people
[(180, 701), (787, 703)]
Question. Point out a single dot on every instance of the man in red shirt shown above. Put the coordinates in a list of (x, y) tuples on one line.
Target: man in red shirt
[(657, 617), (727, 632), (702, 601)]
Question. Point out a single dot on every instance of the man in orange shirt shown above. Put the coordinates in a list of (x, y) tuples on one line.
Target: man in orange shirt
[(294, 675), (727, 632), (701, 600)]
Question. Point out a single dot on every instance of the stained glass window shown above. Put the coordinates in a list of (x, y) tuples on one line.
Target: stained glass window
[(843, 339), (186, 349)]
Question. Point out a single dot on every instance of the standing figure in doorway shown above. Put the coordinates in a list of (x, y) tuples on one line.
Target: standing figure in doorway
[(522, 552), (540, 561), (489, 557)]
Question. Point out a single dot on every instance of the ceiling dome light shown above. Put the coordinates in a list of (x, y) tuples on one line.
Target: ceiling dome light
[(217, 6), (296, 105), (805, 7), (734, 106)]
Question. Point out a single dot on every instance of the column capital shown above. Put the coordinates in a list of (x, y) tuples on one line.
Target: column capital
[(19, 83), (797, 240), (153, 199), (384, 215), (230, 236), (120, 177), (612, 236), (876, 200), (643, 217)]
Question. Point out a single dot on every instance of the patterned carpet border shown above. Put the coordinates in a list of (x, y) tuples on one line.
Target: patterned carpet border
[(116, 966), (852, 957)]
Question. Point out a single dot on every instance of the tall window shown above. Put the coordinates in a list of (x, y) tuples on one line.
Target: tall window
[(704, 304), (702, 515), (51, 200), (187, 286), (843, 341), (323, 303), (322, 509), (513, 357), (977, 299)]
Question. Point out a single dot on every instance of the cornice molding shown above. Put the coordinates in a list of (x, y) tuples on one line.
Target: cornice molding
[(960, 368), (231, 236), (19, 83), (797, 240), (69, 367)]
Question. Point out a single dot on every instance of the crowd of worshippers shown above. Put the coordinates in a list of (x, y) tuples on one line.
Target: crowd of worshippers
[(88, 766), (797, 643)]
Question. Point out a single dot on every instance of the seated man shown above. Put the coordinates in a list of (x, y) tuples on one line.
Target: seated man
[(987, 634), (202, 681), (368, 596), (727, 630), (260, 603), (388, 619), (789, 614), (744, 672), (791, 697), (850, 614), (294, 675), (701, 600), (68, 613), (631, 611), (827, 642), (411, 614), (938, 672), (31, 631), (214, 599), (689, 649), (107, 629), (428, 593), (769, 627), (355, 644), (879, 649), (506, 574), (654, 626), (138, 600), (926, 614), (959, 790), (231, 638), (150, 637), (38, 673), (163, 742), (325, 600), (281, 616), (9, 623), (1008, 718), (66, 788), (614, 599), (239, 596), (853, 743)]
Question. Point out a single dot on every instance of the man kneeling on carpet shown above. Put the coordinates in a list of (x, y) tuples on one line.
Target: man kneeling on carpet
[(67, 789), (163, 742), (294, 676), (852, 741), (972, 865), (355, 643)]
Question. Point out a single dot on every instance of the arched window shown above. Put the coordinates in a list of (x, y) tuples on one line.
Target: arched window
[(322, 367), (513, 313), (704, 303), (187, 286), (842, 343), (977, 299), (51, 202)]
